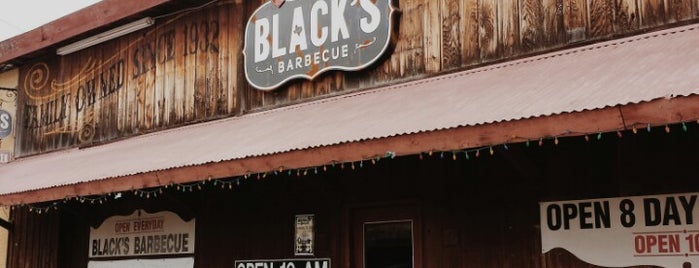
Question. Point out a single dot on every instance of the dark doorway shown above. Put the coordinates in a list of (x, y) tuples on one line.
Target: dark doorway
[(388, 244), (386, 237)]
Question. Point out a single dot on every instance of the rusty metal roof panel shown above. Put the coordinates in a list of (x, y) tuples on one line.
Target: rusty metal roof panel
[(630, 70)]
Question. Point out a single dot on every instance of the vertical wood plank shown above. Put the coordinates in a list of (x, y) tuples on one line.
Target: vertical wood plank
[(554, 28), (679, 10), (209, 46), (235, 28), (487, 29), (132, 93), (201, 85), (190, 68), (166, 55), (601, 14), (575, 20), (508, 27), (451, 34), (122, 95), (408, 58), (152, 40), (652, 13), (470, 50), (432, 36), (626, 16), (532, 24), (221, 45), (180, 87)]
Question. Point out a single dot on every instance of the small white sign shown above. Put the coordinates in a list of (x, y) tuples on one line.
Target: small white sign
[(304, 235), (661, 230)]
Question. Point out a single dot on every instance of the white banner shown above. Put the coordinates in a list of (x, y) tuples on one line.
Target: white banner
[(144, 263), (142, 234), (657, 230)]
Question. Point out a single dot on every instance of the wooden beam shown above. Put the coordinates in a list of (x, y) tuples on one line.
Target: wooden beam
[(97, 15), (657, 112), (5, 224)]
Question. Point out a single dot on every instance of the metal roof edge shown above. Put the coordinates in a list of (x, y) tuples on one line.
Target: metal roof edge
[(89, 18)]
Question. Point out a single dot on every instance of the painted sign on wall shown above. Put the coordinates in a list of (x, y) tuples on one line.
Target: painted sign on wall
[(167, 75), (660, 230), (142, 234), (302, 39)]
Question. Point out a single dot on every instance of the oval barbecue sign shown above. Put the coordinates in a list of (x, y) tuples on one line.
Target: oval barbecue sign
[(292, 39)]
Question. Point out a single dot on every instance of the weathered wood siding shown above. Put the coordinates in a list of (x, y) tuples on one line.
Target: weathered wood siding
[(188, 68), (482, 212)]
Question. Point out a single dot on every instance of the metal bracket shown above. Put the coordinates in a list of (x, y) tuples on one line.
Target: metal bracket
[(6, 224)]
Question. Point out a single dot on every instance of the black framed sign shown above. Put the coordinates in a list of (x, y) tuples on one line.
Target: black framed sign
[(284, 263)]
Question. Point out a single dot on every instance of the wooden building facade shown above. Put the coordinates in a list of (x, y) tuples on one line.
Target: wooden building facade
[(465, 193)]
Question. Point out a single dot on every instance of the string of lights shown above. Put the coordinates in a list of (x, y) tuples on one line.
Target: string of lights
[(234, 182)]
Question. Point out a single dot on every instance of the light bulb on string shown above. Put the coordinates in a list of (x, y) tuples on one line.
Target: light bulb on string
[(648, 127), (587, 138), (466, 155), (667, 129), (491, 150), (619, 134), (555, 140), (634, 130), (684, 127)]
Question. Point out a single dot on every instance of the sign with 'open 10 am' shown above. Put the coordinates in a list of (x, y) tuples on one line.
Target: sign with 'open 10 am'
[(304, 38)]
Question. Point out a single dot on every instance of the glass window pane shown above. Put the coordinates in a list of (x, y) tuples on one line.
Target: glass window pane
[(388, 245)]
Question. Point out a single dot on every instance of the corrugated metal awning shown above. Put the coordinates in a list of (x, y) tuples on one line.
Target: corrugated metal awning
[(632, 70)]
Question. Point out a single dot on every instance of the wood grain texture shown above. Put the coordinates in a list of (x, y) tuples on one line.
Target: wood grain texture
[(488, 29), (576, 20), (451, 35), (508, 28), (470, 28), (626, 16), (532, 24), (432, 24), (652, 13), (601, 18), (554, 29), (679, 10)]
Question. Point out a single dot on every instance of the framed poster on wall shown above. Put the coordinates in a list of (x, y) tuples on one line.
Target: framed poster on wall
[(303, 235)]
